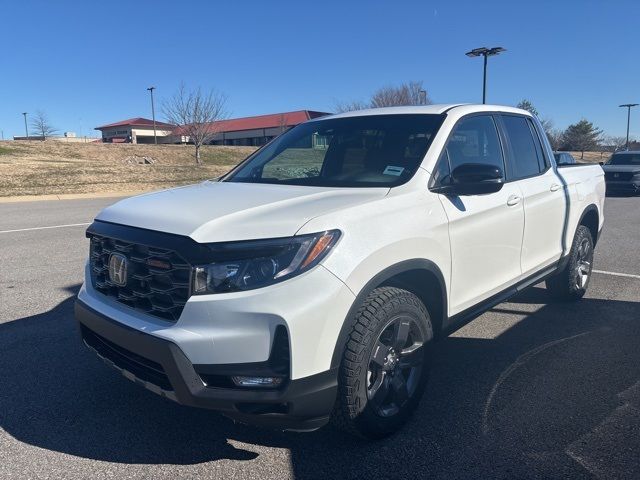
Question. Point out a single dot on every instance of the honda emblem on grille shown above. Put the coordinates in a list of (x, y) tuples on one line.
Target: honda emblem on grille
[(118, 269), (616, 175)]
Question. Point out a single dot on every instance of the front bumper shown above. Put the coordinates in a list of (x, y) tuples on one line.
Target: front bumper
[(160, 366), (239, 327)]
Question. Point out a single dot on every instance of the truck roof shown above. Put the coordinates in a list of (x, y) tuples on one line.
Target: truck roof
[(461, 108)]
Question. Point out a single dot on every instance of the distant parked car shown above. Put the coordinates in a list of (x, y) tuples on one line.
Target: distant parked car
[(564, 158), (622, 172)]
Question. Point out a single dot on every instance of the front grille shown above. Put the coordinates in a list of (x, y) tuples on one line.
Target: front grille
[(143, 368), (157, 280), (621, 176)]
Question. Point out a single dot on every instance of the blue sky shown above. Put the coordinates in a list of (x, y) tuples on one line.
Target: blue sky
[(88, 63)]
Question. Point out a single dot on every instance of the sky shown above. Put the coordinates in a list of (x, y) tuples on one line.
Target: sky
[(89, 63)]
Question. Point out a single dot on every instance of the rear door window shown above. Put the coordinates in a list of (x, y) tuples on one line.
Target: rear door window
[(525, 155), (542, 159)]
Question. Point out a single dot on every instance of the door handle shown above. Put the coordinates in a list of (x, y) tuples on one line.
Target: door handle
[(513, 200), (555, 187)]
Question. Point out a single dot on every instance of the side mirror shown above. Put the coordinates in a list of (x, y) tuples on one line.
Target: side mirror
[(601, 163), (476, 179)]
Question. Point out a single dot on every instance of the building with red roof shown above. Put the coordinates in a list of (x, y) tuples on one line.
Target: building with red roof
[(258, 130), (251, 131), (135, 130)]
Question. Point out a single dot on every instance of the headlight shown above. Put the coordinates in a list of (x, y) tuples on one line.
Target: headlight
[(258, 263)]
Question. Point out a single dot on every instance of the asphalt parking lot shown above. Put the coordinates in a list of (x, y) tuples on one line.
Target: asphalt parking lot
[(532, 389)]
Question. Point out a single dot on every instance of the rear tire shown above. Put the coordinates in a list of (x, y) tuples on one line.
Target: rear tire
[(572, 282), (385, 364)]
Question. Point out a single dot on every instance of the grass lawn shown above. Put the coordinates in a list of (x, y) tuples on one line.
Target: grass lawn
[(39, 168)]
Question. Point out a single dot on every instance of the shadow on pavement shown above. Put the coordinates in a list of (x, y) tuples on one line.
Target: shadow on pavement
[(543, 399)]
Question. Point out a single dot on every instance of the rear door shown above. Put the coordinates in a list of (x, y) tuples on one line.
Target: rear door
[(485, 231), (543, 193)]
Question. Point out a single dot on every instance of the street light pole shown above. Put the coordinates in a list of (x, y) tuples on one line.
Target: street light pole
[(484, 80), (485, 52), (153, 115), (26, 130), (628, 106)]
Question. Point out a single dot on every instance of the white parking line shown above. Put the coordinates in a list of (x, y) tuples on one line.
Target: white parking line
[(616, 274), (46, 228)]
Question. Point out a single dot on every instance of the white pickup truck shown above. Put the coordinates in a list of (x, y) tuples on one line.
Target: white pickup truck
[(308, 284)]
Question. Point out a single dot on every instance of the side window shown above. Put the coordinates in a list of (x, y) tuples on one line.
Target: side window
[(475, 140), (542, 159), (524, 157)]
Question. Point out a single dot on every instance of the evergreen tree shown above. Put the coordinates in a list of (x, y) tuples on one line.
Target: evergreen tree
[(528, 106), (581, 136)]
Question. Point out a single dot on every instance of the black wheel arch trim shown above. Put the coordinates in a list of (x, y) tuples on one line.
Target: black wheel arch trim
[(588, 209), (378, 280)]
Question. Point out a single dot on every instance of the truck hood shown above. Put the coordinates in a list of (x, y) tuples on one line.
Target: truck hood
[(621, 168), (226, 211)]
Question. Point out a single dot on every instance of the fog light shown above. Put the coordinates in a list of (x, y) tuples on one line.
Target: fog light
[(265, 382)]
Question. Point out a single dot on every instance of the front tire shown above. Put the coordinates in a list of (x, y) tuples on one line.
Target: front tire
[(385, 364), (572, 282)]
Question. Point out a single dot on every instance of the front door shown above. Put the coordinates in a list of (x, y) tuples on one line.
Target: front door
[(485, 231)]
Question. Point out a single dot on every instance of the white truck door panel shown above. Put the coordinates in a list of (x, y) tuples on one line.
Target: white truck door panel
[(486, 236), (544, 194), (485, 231), (544, 212)]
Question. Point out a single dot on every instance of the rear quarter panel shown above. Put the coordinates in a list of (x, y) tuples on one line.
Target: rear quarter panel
[(585, 187)]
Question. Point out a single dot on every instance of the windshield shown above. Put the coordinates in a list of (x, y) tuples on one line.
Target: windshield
[(625, 159), (363, 151)]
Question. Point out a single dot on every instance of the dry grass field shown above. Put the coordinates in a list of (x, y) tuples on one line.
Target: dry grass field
[(43, 168), (55, 168), (591, 157)]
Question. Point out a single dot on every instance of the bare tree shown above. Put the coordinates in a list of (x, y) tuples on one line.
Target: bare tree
[(553, 134), (40, 124), (555, 137), (282, 123), (195, 112), (405, 94), (547, 124), (350, 106), (616, 143), (411, 93)]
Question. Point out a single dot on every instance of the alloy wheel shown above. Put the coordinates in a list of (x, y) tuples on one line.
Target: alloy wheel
[(395, 365), (584, 263)]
